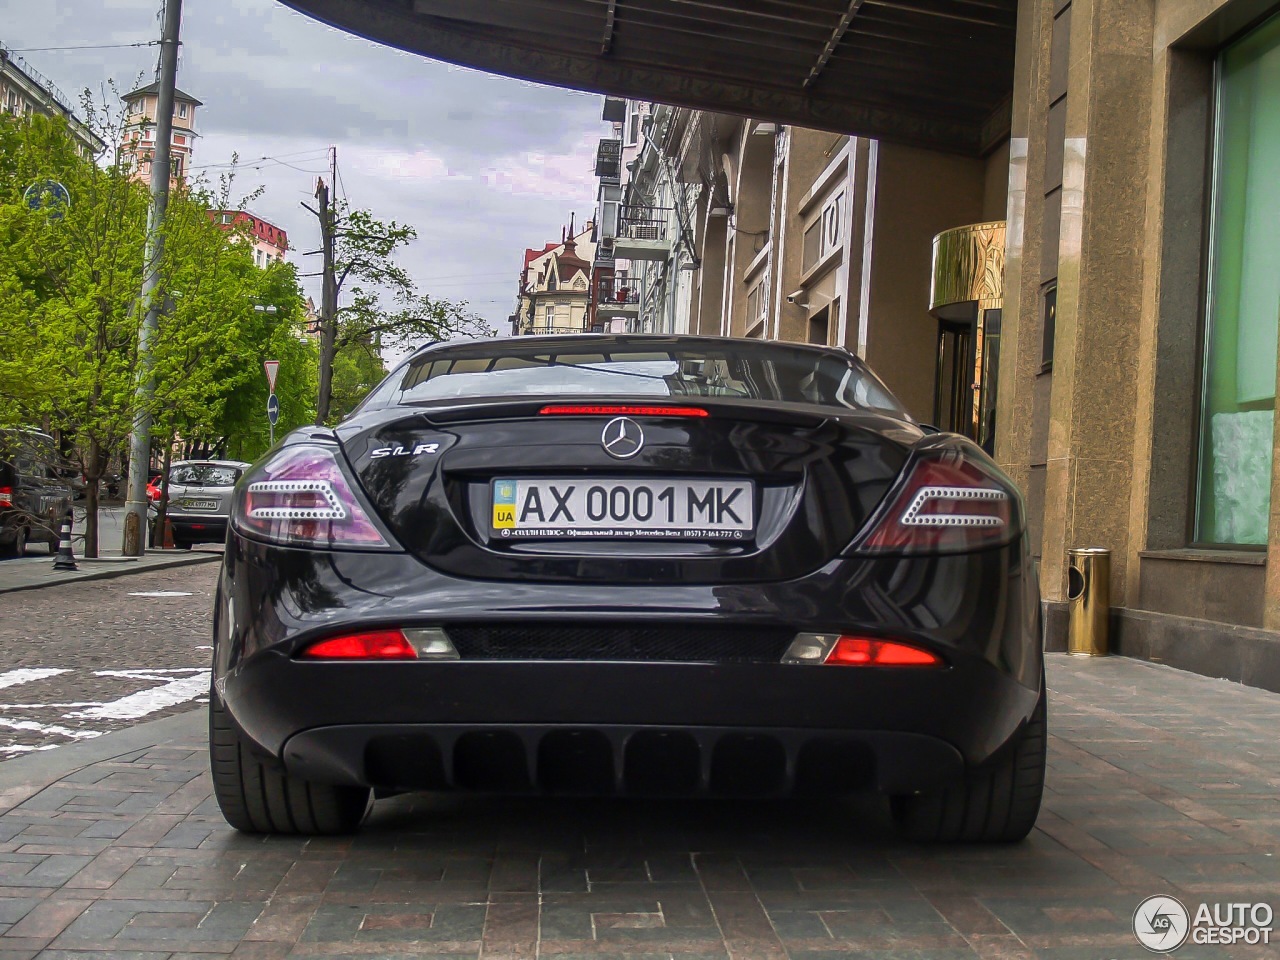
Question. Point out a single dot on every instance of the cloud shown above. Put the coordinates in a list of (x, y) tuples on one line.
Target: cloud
[(482, 166)]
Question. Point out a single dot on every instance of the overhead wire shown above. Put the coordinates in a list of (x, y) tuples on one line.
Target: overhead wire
[(88, 46)]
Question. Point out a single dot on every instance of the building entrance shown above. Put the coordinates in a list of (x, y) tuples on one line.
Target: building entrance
[(966, 296)]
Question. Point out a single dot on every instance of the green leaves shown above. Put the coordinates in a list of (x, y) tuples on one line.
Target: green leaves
[(70, 311), (381, 307)]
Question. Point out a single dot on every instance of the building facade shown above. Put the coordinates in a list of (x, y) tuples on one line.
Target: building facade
[(730, 227), (556, 285), (138, 141), (25, 91), (1139, 371), (270, 243)]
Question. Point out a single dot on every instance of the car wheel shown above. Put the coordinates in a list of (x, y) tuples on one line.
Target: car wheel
[(182, 545), (998, 805), (19, 547), (255, 798)]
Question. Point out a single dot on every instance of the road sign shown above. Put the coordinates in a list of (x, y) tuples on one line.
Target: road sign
[(48, 195), (273, 409), (271, 366)]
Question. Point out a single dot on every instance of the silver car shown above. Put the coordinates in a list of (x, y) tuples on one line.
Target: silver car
[(200, 499)]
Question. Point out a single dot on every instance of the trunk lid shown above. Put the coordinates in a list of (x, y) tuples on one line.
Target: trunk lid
[(805, 482)]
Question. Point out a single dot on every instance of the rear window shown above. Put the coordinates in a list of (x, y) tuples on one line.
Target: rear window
[(204, 475), (745, 370)]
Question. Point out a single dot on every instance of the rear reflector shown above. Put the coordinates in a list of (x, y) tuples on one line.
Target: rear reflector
[(618, 410), (849, 651), (373, 645), (866, 652)]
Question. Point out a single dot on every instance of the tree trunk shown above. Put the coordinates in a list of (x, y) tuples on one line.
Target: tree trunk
[(328, 350)]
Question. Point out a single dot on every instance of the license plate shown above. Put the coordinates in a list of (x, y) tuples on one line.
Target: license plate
[(200, 504), (624, 509)]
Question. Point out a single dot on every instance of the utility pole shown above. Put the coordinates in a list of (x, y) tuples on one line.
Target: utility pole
[(329, 290), (135, 520)]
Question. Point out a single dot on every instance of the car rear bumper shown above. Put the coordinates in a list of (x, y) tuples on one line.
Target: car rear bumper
[(651, 728), (622, 760), (614, 726)]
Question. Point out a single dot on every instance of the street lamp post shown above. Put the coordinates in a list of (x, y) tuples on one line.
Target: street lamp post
[(135, 519)]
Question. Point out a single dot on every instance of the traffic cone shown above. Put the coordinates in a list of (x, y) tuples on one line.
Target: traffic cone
[(65, 559)]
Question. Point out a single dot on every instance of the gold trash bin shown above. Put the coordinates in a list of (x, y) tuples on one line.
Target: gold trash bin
[(1088, 601)]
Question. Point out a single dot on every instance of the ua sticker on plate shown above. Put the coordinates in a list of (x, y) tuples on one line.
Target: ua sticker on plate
[(504, 504)]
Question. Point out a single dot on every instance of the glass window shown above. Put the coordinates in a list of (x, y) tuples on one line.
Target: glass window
[(1243, 296), (204, 475), (812, 245), (759, 371)]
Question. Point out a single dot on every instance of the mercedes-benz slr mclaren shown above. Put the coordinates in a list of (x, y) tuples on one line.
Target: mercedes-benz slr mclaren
[(629, 565)]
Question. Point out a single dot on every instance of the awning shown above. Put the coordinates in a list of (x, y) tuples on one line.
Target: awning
[(931, 73)]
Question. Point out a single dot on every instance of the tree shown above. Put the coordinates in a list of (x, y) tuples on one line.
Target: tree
[(385, 307), (357, 369), (69, 306)]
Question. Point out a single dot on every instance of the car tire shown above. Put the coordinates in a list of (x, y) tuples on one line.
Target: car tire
[(182, 545), (256, 798), (995, 805), (20, 543)]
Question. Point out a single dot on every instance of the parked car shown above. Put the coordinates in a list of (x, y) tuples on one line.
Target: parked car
[(153, 488), (664, 565), (200, 499), (34, 499)]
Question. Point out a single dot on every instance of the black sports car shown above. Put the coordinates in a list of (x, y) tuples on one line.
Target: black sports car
[(642, 565)]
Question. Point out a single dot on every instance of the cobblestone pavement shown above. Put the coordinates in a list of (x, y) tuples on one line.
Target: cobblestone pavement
[(1160, 783), (81, 659)]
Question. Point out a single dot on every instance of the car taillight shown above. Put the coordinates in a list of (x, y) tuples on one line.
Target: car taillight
[(867, 652), (619, 410), (371, 645), (6, 496), (411, 643), (844, 650), (301, 497), (949, 504)]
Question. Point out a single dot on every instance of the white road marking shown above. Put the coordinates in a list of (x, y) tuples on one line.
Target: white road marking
[(49, 728), (50, 706), (149, 673), (161, 593), (175, 691), (11, 678)]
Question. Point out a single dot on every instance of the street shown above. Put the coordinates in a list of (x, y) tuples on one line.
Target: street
[(1160, 782), (82, 659)]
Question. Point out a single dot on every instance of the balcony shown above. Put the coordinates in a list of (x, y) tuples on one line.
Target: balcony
[(617, 298), (642, 233), (609, 160), (542, 330)]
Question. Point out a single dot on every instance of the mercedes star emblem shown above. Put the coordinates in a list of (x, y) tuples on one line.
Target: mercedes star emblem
[(622, 438)]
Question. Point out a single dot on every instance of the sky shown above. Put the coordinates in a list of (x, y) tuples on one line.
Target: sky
[(482, 166)]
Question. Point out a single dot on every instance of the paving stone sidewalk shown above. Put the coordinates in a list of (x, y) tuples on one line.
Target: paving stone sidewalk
[(1160, 783)]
